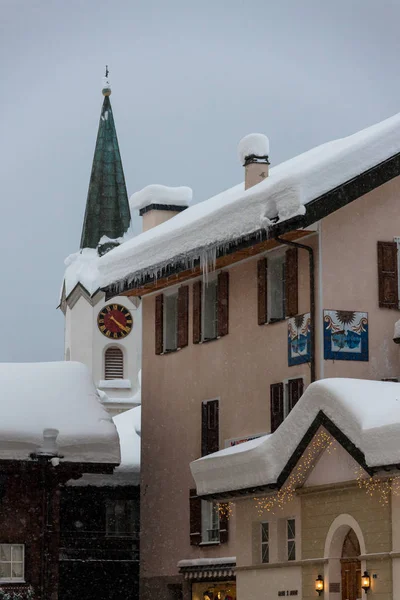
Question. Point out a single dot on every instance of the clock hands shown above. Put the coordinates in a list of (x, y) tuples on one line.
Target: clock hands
[(112, 318)]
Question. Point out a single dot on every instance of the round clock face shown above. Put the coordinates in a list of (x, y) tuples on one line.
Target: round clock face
[(115, 321)]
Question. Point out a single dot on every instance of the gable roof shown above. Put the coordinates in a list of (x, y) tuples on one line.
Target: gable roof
[(107, 206), (283, 200), (363, 415)]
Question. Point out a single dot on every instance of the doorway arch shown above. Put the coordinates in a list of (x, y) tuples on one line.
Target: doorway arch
[(343, 541)]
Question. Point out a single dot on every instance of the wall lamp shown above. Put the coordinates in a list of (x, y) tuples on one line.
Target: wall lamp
[(366, 581), (319, 585)]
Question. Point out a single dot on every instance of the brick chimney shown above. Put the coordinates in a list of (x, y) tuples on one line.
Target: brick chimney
[(253, 153), (159, 203)]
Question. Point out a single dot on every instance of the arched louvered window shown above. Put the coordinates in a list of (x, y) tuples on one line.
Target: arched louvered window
[(113, 363)]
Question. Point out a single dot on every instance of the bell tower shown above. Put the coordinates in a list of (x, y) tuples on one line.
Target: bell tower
[(106, 336)]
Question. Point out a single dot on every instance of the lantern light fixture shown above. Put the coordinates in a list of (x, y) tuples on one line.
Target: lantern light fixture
[(319, 585), (366, 581)]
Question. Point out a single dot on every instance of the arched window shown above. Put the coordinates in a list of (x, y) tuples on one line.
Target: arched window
[(113, 363)]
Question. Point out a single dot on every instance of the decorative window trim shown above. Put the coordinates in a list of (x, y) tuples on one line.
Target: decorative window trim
[(11, 562)]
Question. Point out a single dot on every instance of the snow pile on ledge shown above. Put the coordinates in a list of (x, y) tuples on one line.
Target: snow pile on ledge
[(198, 231), (367, 412), (397, 330), (161, 194), (256, 144), (57, 395)]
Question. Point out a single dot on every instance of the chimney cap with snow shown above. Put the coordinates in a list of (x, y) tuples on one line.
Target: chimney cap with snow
[(161, 197), (254, 148)]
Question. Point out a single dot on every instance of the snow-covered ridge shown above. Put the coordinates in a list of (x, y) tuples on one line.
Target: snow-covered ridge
[(56, 395), (161, 194), (367, 412), (256, 144), (199, 230)]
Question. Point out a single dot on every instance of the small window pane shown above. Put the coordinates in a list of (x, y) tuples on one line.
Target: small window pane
[(17, 570), (209, 522), (265, 553), (5, 552), (5, 570), (264, 532), (17, 553), (292, 550), (291, 529)]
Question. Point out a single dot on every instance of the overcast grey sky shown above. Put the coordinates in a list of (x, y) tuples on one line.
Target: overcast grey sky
[(189, 79)]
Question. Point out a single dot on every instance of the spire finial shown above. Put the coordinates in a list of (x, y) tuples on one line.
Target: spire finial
[(106, 91)]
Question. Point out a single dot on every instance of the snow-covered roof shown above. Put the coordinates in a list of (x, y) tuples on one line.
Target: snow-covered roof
[(55, 395), (366, 412), (161, 194), (81, 267), (198, 231)]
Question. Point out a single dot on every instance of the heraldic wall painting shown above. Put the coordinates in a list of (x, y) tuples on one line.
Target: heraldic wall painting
[(299, 346), (345, 335)]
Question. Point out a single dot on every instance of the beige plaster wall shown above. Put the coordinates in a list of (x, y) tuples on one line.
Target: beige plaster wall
[(152, 218)]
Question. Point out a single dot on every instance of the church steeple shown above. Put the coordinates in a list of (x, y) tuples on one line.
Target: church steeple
[(107, 206)]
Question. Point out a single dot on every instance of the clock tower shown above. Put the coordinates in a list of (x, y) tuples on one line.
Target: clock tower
[(106, 336)]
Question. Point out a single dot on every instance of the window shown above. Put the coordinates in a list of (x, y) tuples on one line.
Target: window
[(209, 427), (113, 363), (283, 397), (11, 562), (265, 542), (277, 284), (170, 322), (120, 517), (211, 308), (209, 522), (291, 539), (388, 277), (209, 311)]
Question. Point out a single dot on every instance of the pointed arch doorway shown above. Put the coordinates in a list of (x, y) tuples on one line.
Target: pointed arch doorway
[(351, 567)]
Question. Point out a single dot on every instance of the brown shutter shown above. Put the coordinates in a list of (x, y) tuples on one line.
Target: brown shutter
[(183, 316), (209, 427), (291, 282), (223, 303), (296, 387), (223, 523), (159, 323), (197, 312), (195, 518), (262, 267), (276, 399), (387, 275)]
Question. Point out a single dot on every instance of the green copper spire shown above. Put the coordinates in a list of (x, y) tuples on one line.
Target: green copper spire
[(107, 206)]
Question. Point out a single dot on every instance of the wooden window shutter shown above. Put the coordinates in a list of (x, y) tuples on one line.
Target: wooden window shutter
[(296, 387), (223, 523), (291, 282), (197, 312), (223, 303), (183, 316), (262, 303), (209, 427), (113, 363), (159, 323), (276, 405), (195, 518), (388, 275)]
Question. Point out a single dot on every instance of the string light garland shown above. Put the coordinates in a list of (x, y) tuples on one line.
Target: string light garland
[(383, 487)]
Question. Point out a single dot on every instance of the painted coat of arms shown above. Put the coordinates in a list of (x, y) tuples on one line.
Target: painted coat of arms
[(299, 347), (345, 335)]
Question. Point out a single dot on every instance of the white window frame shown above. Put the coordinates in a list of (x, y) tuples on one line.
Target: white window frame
[(290, 539), (212, 279), (209, 518), (286, 393), (169, 297), (276, 255), (266, 543), (11, 562)]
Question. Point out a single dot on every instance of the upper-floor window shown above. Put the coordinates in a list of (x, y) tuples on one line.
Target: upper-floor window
[(265, 542), (120, 517), (171, 320), (277, 285), (113, 363), (209, 522), (209, 427), (211, 308), (291, 539), (388, 273), (12, 562), (283, 397)]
